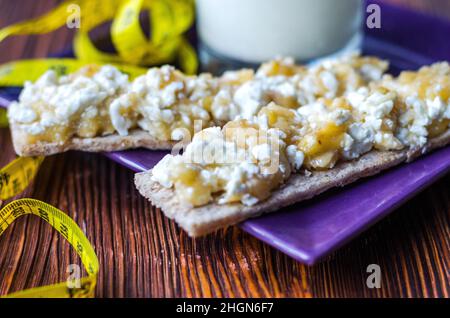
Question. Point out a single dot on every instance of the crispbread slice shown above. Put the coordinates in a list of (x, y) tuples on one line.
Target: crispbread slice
[(205, 219), (115, 142)]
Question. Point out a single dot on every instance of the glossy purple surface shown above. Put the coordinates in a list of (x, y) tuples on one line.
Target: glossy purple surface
[(310, 230)]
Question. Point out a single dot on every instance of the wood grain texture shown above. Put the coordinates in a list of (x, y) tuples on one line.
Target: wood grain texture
[(144, 254)]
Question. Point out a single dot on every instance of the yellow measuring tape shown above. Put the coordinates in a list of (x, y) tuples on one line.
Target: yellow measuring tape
[(3, 118), (14, 178), (71, 232), (169, 20), (17, 175)]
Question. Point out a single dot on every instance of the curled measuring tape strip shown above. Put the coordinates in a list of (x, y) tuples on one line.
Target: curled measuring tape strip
[(3, 118), (169, 20), (91, 13), (14, 178), (17, 175), (71, 232)]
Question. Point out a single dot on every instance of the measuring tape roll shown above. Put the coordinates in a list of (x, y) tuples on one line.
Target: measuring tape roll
[(169, 20), (71, 232)]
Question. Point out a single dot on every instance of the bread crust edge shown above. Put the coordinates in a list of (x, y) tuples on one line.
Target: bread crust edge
[(135, 139)]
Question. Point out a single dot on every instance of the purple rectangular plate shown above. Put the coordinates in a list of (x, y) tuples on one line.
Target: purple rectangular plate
[(310, 230)]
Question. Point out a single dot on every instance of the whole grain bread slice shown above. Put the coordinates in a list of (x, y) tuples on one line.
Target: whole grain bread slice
[(135, 139), (208, 218)]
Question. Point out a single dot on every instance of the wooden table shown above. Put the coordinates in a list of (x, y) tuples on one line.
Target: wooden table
[(142, 253)]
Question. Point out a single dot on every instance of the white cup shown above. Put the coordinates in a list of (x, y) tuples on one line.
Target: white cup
[(253, 31)]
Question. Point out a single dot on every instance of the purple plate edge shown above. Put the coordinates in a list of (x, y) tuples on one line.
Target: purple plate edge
[(117, 157), (392, 204)]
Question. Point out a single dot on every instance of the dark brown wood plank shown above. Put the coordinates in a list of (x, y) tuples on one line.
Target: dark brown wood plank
[(144, 254)]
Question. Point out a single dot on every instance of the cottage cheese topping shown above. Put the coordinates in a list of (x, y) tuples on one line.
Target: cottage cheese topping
[(163, 100), (220, 164), (274, 81), (324, 125), (289, 85), (424, 104), (295, 157), (391, 114), (333, 78), (223, 107), (374, 111), (55, 109), (357, 141), (251, 96), (123, 114)]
